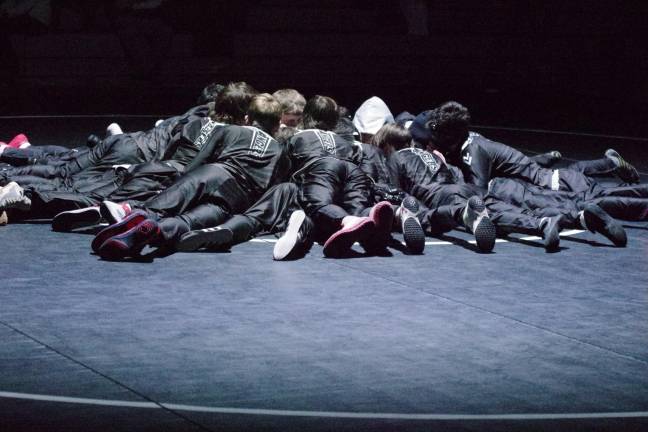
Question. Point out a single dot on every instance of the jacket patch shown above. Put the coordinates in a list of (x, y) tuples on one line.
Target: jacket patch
[(259, 144)]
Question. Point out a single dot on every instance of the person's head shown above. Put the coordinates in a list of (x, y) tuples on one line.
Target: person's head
[(232, 103), (320, 112), (210, 93), (444, 128), (292, 106), (449, 124), (391, 137), (264, 112), (371, 116)]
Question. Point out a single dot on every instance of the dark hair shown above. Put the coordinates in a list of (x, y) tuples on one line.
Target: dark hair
[(392, 134), (448, 124), (233, 102), (264, 112), (210, 93), (320, 112), (344, 112)]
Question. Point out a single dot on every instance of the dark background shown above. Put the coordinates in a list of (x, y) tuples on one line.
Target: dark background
[(561, 65)]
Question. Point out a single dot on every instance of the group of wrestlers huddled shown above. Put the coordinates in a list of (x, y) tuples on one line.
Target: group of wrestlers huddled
[(243, 163)]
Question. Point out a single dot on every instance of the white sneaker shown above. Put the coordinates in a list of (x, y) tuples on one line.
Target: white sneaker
[(13, 196), (114, 129), (114, 212)]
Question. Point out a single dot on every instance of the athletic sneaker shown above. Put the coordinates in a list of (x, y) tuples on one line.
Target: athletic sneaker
[(215, 238), (624, 170), (477, 221), (92, 141), (12, 196), (19, 141), (127, 223), (130, 243), (113, 129), (382, 215), (550, 232), (413, 232), (4, 219), (73, 219), (595, 219), (353, 229), (296, 241), (114, 212)]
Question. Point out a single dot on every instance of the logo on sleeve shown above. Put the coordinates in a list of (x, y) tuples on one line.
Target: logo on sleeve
[(327, 140), (259, 143), (205, 133), (428, 159), (467, 158)]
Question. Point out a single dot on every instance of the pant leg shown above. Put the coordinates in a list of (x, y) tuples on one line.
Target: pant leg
[(624, 208), (597, 167), (357, 195), (47, 204), (321, 193), (144, 182), (209, 183), (271, 212), (202, 216), (630, 191), (446, 203)]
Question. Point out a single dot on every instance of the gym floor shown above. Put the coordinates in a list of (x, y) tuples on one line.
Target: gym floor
[(451, 340)]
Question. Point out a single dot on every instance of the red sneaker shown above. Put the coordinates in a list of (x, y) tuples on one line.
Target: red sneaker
[(131, 242), (358, 229)]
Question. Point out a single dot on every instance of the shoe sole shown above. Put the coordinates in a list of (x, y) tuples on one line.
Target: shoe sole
[(382, 215), (70, 220), (485, 235), (129, 222), (286, 244), (413, 233), (129, 243), (204, 239), (341, 241)]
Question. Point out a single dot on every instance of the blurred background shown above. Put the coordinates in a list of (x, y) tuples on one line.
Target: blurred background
[(562, 65)]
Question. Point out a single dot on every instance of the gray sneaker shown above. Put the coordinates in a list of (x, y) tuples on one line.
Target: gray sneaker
[(13, 196), (477, 221), (624, 169)]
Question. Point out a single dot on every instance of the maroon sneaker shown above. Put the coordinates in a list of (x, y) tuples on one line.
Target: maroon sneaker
[(127, 223), (130, 243), (341, 241), (382, 215)]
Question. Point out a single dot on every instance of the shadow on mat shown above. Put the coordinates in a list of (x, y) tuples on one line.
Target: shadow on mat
[(532, 243), (463, 243)]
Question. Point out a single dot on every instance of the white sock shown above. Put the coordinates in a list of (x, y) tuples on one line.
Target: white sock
[(25, 145), (581, 218), (157, 123), (2, 147)]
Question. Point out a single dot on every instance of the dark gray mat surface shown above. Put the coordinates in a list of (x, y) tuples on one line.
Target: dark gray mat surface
[(235, 341)]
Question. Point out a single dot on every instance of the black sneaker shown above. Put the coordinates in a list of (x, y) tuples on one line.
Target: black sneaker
[(550, 231), (93, 140), (73, 219), (595, 219), (624, 170), (413, 233), (296, 241), (477, 221), (216, 238)]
